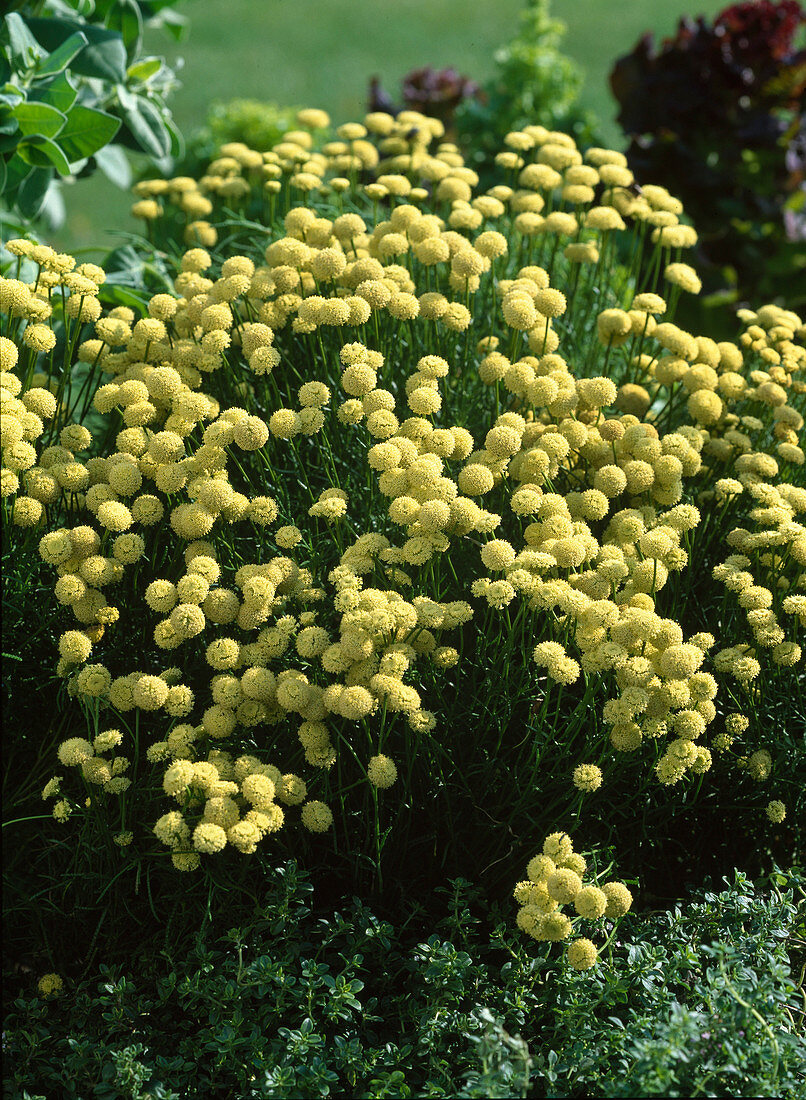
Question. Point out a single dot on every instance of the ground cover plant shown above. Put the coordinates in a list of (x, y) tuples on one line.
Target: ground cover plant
[(288, 1005), (391, 524)]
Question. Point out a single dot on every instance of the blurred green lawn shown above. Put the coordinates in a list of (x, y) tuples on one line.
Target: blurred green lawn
[(322, 52)]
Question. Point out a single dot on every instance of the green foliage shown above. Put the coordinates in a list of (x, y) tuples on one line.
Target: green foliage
[(302, 1002), (534, 83), (257, 123), (703, 1003), (76, 91)]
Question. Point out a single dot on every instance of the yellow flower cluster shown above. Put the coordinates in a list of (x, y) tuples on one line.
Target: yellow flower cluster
[(555, 877), (566, 502), (95, 763), (50, 985)]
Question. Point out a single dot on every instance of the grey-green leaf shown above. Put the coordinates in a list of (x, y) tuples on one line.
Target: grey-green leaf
[(16, 171), (148, 129), (114, 164), (125, 17), (25, 49), (144, 69)]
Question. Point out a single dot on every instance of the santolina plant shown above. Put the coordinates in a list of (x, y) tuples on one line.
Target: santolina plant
[(402, 496)]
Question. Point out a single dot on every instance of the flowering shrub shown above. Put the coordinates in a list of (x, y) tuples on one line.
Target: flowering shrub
[(404, 520)]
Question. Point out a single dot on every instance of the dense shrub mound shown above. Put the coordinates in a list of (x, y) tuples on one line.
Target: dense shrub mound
[(396, 526)]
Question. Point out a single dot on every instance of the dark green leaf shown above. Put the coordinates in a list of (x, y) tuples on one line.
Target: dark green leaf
[(58, 92), (86, 131), (32, 191), (41, 152), (16, 171), (104, 57), (3, 175), (25, 49), (63, 55), (39, 119)]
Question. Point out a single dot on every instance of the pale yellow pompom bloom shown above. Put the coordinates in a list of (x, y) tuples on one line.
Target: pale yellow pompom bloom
[(74, 646), (529, 919), (313, 118), (684, 276), (619, 899), (550, 302), (613, 326), (575, 862), (582, 954), (149, 692), (587, 777), (184, 860), (381, 771), (649, 303), (705, 407), (317, 817), (590, 902), (776, 812), (456, 317), (114, 516), (50, 985), (62, 810), (604, 218), (251, 433), (497, 555), (284, 423), (187, 620), (147, 209), (554, 927), (178, 778), (540, 867), (558, 846), (759, 765), (209, 838), (26, 511), (787, 654), (51, 788), (39, 337), (74, 751), (564, 885)]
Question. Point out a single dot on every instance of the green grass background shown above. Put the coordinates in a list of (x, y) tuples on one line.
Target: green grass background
[(322, 52)]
